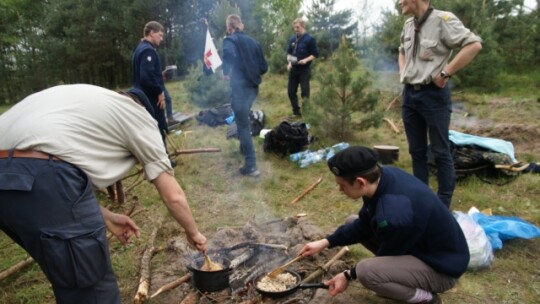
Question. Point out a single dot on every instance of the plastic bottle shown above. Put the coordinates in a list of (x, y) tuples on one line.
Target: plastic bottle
[(306, 161), (296, 157), (340, 146)]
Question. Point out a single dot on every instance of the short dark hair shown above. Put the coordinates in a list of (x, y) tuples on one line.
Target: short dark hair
[(371, 176), (152, 26)]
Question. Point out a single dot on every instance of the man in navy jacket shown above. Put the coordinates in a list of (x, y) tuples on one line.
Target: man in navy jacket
[(147, 72), (243, 66), (419, 247)]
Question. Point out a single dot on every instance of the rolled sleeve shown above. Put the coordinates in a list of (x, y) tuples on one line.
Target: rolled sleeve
[(454, 34)]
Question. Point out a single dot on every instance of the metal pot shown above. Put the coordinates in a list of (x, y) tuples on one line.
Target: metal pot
[(290, 290), (209, 281)]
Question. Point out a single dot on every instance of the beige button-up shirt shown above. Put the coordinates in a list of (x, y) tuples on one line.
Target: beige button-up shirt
[(439, 35), (100, 131)]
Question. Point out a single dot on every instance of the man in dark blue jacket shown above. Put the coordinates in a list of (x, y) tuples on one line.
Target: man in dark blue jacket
[(419, 247), (147, 74), (243, 66), (301, 51)]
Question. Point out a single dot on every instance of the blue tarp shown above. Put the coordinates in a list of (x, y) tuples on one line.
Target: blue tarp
[(493, 144)]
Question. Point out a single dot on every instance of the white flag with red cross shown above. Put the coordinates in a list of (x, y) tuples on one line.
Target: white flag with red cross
[(211, 56)]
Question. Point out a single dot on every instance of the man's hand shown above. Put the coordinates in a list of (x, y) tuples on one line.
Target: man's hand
[(289, 66), (440, 81), (337, 284), (313, 247), (120, 225), (161, 100), (198, 241)]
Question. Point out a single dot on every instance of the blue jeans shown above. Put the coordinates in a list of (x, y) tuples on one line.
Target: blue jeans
[(426, 114), (48, 207), (242, 98)]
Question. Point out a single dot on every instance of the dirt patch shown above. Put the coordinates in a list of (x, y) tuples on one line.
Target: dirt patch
[(254, 249), (525, 138)]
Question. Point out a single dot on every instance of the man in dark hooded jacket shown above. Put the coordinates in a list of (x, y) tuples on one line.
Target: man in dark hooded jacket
[(243, 65)]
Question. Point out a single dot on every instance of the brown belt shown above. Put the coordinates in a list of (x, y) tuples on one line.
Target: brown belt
[(27, 154)]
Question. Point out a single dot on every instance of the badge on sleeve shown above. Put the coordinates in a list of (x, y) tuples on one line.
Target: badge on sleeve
[(382, 224), (149, 58)]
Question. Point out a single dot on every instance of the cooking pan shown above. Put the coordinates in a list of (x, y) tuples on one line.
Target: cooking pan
[(209, 281), (290, 290)]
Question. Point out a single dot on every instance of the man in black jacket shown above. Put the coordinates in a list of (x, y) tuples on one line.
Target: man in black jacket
[(243, 66), (419, 247), (302, 50)]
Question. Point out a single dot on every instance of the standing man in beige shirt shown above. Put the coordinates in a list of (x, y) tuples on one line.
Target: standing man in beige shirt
[(427, 41), (55, 146)]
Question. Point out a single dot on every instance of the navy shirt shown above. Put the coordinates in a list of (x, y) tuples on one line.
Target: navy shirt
[(243, 60), (405, 217), (302, 47)]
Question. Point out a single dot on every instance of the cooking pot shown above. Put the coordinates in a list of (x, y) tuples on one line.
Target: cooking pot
[(209, 281), (290, 290), (387, 154)]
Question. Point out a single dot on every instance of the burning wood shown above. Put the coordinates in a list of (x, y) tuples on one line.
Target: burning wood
[(309, 189)]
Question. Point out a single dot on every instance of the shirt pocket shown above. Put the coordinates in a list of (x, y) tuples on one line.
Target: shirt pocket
[(428, 49)]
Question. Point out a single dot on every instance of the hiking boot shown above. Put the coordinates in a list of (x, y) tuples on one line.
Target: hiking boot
[(252, 172)]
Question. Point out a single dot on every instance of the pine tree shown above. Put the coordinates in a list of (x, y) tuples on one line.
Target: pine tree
[(207, 91), (345, 102)]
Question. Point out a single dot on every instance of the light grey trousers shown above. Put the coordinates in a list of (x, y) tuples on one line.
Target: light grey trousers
[(398, 277)]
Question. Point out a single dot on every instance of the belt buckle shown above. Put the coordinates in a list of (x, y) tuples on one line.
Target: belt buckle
[(417, 87)]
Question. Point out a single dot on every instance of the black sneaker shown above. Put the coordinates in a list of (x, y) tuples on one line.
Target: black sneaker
[(252, 172)]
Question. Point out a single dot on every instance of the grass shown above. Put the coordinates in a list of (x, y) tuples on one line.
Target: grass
[(220, 198)]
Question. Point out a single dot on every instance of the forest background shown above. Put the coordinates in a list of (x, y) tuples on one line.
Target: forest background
[(45, 43)]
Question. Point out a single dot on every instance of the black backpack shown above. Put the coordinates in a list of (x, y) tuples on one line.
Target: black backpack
[(287, 138), (475, 160), (216, 116)]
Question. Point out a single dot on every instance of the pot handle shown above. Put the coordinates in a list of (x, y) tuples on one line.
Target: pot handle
[(313, 285)]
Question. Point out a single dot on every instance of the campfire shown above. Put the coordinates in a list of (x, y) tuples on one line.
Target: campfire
[(247, 254)]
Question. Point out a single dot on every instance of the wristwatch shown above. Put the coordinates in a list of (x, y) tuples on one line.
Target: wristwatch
[(445, 75)]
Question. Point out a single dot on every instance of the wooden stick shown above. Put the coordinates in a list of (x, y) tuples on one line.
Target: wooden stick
[(192, 151), (172, 285), (299, 197), (13, 269), (319, 272), (144, 281), (120, 195), (391, 104), (392, 125)]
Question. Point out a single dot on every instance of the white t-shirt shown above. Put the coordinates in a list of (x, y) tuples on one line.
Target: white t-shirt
[(98, 130)]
